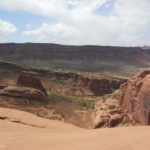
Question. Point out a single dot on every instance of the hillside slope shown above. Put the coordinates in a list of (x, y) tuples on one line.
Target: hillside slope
[(64, 52), (84, 58)]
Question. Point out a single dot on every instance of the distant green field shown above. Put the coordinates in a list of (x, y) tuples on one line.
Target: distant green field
[(108, 67)]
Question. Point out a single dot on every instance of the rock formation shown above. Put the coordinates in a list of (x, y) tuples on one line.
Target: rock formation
[(28, 86), (24, 92), (30, 79), (135, 97), (110, 115), (97, 84)]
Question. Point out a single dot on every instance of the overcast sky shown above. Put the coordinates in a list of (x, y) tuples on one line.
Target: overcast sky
[(76, 22)]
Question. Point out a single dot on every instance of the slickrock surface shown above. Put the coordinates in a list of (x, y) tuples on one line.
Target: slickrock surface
[(29, 132)]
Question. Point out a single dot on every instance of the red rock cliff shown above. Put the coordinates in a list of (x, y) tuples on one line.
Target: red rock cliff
[(135, 97)]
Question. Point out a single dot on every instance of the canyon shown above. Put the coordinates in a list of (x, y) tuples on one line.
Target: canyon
[(50, 92)]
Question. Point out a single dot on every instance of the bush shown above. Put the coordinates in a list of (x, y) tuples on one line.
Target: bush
[(110, 96), (55, 98)]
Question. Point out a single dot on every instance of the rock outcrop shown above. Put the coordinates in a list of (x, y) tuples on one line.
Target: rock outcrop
[(106, 119), (24, 92), (30, 79), (135, 97), (98, 84), (28, 86), (108, 114)]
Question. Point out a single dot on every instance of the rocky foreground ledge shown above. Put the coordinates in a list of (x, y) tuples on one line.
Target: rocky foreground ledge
[(21, 130)]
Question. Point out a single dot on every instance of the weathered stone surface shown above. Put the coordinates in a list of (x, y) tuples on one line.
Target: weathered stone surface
[(115, 120), (109, 114), (92, 84), (102, 119), (24, 92), (98, 84), (105, 119), (30, 79), (135, 97)]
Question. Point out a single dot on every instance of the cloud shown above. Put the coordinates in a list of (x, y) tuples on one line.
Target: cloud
[(6, 29), (57, 33), (101, 22)]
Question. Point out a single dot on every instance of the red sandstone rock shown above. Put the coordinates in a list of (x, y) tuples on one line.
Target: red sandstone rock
[(30, 79), (24, 92), (135, 97)]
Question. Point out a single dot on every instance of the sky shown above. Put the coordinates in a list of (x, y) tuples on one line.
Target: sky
[(76, 22)]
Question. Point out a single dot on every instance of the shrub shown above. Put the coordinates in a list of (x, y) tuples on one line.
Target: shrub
[(55, 98)]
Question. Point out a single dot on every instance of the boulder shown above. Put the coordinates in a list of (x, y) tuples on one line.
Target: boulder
[(24, 92), (135, 97), (30, 79)]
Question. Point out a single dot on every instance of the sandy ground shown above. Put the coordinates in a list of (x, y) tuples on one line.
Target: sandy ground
[(23, 131)]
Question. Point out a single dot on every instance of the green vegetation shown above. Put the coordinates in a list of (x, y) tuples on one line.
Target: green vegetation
[(55, 98), (113, 95)]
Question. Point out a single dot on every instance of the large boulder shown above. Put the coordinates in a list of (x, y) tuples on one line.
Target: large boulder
[(24, 92), (135, 97), (30, 79)]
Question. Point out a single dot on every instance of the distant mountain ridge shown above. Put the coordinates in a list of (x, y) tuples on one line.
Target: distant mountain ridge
[(56, 51), (74, 57)]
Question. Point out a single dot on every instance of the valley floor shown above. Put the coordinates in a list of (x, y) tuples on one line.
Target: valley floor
[(24, 131)]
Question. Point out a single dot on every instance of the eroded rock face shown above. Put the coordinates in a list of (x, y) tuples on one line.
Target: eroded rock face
[(105, 119), (24, 92), (110, 115), (30, 79), (98, 84), (135, 97)]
